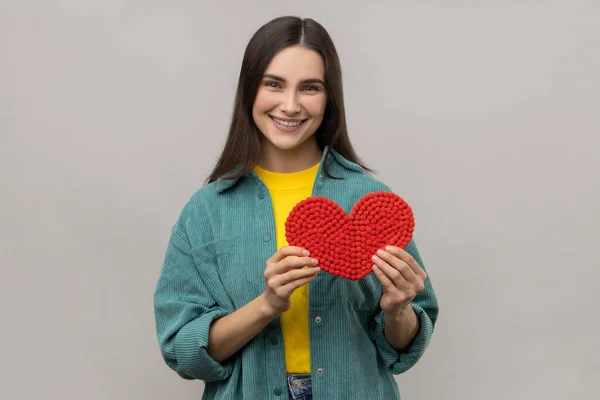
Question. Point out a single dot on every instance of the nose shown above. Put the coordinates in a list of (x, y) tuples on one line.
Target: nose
[(290, 103)]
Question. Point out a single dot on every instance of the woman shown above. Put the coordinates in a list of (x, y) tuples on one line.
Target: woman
[(239, 308)]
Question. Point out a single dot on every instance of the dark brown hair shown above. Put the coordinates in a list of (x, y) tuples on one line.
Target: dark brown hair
[(242, 148)]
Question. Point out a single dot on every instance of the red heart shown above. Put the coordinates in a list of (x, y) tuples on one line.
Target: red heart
[(344, 244)]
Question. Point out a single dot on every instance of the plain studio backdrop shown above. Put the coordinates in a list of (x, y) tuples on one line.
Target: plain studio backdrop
[(483, 115)]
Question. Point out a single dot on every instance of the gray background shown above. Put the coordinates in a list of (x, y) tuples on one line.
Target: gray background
[(484, 115)]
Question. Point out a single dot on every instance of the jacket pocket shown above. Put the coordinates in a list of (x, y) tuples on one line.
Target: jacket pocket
[(226, 266), (214, 249), (362, 295)]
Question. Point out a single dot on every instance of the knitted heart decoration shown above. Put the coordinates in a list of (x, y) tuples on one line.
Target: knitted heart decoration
[(344, 244)]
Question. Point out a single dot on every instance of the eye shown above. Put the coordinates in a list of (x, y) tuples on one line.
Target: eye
[(272, 84), (311, 88)]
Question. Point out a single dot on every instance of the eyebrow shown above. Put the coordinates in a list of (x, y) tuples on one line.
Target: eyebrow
[(311, 80)]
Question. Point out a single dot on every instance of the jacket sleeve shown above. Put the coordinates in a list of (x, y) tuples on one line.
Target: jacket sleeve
[(426, 307), (184, 311)]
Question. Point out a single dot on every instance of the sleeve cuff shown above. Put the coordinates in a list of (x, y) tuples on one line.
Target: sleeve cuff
[(402, 362), (191, 346)]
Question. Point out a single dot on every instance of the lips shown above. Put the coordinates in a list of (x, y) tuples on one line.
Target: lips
[(286, 125), (287, 122)]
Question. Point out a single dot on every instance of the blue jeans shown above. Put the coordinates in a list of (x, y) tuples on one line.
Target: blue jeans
[(300, 387)]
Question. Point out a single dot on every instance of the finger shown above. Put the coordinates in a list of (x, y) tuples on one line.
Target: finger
[(290, 287), (402, 267), (288, 264), (291, 276), (392, 273), (291, 263), (287, 251), (407, 258), (387, 284)]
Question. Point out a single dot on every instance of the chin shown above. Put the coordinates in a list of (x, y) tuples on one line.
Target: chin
[(286, 143)]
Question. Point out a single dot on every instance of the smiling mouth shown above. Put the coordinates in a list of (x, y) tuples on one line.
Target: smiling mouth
[(287, 123), (287, 126)]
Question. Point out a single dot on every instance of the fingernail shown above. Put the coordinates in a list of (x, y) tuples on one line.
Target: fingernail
[(375, 258), (314, 261), (389, 248), (306, 252), (375, 268), (380, 252)]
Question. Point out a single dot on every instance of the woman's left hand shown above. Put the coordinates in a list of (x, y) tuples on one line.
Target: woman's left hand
[(401, 276)]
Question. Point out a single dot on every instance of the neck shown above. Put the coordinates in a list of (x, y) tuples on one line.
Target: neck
[(297, 159)]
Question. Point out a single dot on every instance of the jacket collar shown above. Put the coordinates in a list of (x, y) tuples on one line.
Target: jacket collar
[(223, 184)]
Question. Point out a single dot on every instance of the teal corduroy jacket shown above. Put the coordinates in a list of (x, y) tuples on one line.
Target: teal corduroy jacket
[(214, 265)]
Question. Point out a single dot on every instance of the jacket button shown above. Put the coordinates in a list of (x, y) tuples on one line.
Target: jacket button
[(261, 195), (278, 391), (318, 319), (267, 238)]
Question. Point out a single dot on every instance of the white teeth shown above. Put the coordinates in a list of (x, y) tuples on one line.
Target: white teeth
[(286, 123)]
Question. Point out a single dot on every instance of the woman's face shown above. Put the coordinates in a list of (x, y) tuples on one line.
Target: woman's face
[(291, 98)]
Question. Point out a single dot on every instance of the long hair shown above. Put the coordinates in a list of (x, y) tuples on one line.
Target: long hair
[(242, 148)]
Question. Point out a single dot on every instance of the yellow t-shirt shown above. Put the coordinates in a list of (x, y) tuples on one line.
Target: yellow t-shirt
[(286, 190)]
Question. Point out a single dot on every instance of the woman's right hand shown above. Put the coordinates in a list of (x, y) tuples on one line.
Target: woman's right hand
[(284, 274)]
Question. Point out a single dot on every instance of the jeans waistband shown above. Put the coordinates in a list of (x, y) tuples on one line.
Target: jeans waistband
[(300, 386)]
